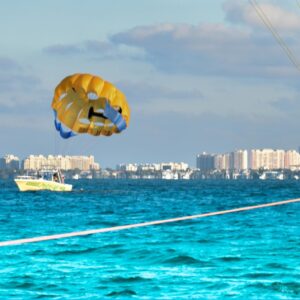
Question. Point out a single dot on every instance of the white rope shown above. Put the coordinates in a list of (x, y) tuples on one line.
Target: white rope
[(117, 228), (260, 12)]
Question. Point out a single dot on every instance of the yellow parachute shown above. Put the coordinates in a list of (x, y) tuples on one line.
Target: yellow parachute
[(84, 103)]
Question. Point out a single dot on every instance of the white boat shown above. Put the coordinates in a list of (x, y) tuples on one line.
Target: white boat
[(46, 179), (76, 176), (271, 175)]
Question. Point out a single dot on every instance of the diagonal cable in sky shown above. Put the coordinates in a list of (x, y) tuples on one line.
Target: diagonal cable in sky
[(275, 34)]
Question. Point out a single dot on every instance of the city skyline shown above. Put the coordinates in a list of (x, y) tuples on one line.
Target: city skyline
[(205, 75), (274, 164), (239, 159), (252, 159)]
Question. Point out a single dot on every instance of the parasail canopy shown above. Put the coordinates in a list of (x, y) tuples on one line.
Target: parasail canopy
[(84, 103)]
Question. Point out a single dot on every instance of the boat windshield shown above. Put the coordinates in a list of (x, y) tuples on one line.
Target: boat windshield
[(51, 175)]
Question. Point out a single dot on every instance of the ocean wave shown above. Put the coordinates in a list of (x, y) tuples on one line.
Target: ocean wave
[(22, 285), (116, 245), (45, 296), (287, 288), (119, 251), (122, 293), (38, 252), (229, 258), (277, 266), (183, 259), (77, 252), (205, 241), (121, 279), (257, 275)]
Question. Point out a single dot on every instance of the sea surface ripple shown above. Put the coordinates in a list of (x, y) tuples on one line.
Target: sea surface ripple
[(244, 255)]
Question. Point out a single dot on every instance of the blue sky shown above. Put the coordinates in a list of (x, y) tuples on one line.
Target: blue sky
[(198, 75)]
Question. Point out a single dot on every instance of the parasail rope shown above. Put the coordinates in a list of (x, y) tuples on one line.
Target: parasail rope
[(275, 34), (151, 223)]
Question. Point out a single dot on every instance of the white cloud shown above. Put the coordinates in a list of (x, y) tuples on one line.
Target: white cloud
[(219, 49), (237, 12), (19, 89), (243, 47)]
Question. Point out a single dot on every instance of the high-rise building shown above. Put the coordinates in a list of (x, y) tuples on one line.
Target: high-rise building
[(239, 160), (267, 159), (83, 163), (222, 161), (9, 162), (254, 159), (205, 161), (291, 159), (218, 162), (278, 159), (2, 163)]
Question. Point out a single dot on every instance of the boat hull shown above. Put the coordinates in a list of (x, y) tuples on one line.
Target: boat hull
[(39, 185)]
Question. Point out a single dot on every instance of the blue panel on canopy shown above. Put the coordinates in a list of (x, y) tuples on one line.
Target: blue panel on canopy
[(64, 133)]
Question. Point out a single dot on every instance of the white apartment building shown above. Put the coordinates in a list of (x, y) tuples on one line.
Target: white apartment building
[(222, 161), (83, 163), (127, 167), (174, 166), (237, 160), (218, 162), (292, 159), (149, 167), (254, 159), (240, 160), (267, 158)]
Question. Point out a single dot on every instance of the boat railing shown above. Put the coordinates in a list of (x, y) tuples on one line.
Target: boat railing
[(46, 174), (26, 177)]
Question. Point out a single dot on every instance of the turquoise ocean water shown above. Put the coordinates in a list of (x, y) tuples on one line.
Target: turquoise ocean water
[(245, 255)]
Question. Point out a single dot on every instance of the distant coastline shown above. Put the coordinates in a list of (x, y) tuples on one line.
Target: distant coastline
[(256, 164), (189, 174)]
